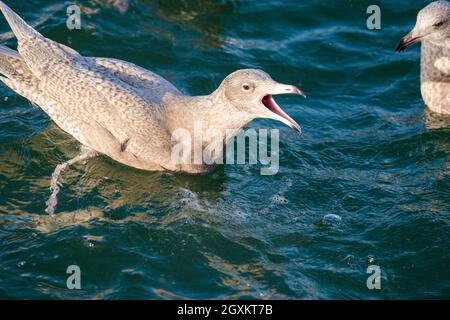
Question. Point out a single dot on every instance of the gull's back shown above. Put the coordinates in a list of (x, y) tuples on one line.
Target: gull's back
[(111, 106)]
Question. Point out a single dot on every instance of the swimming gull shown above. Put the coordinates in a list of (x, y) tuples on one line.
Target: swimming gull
[(120, 110), (433, 30)]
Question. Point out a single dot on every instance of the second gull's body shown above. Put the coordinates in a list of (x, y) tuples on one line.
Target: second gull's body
[(432, 29)]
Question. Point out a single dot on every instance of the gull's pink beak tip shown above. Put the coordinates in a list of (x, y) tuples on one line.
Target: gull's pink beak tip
[(300, 92)]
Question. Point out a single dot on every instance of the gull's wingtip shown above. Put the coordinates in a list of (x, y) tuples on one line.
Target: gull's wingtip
[(19, 27)]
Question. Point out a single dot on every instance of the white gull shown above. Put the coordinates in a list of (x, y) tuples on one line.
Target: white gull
[(433, 30), (123, 111)]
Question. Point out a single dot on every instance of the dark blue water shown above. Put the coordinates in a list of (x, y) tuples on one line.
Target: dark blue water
[(366, 184)]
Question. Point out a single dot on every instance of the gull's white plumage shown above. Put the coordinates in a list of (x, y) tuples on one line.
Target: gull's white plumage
[(99, 101), (123, 111), (432, 29)]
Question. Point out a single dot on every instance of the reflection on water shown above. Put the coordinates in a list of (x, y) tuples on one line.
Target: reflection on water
[(47, 224), (121, 5), (203, 19), (434, 121), (117, 184)]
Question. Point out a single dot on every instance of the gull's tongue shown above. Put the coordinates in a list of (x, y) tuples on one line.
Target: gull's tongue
[(270, 104)]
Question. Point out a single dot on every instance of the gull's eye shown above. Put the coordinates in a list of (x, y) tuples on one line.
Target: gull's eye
[(438, 24), (246, 87)]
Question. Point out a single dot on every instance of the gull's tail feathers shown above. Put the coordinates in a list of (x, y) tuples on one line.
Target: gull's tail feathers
[(20, 28)]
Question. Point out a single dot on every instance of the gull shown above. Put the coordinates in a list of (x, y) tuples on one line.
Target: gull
[(433, 30), (118, 109)]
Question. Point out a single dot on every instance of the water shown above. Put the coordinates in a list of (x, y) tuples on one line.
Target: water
[(366, 184)]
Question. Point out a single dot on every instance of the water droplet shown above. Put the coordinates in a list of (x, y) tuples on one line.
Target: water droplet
[(278, 199), (331, 219)]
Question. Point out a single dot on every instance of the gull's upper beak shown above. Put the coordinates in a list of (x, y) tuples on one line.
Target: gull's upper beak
[(276, 112), (406, 41), (279, 88)]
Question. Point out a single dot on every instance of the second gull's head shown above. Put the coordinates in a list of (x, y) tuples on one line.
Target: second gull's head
[(433, 24)]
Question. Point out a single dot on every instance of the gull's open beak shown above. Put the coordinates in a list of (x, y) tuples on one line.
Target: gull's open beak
[(276, 112), (406, 41)]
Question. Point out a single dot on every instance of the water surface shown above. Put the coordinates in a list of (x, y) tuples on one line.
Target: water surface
[(366, 184)]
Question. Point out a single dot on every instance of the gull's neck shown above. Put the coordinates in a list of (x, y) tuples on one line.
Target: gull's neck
[(435, 61), (206, 112)]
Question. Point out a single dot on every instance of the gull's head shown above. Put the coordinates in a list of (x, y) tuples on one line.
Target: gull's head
[(433, 24), (252, 91)]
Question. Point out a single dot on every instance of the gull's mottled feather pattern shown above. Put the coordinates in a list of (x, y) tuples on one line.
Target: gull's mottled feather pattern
[(128, 113), (148, 84), (433, 30), (101, 96)]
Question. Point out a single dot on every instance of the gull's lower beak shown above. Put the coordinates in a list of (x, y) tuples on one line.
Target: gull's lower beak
[(276, 112), (406, 41)]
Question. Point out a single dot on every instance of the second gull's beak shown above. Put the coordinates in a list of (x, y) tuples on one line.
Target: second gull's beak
[(406, 41)]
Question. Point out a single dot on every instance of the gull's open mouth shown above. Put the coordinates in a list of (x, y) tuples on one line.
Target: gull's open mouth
[(270, 104)]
